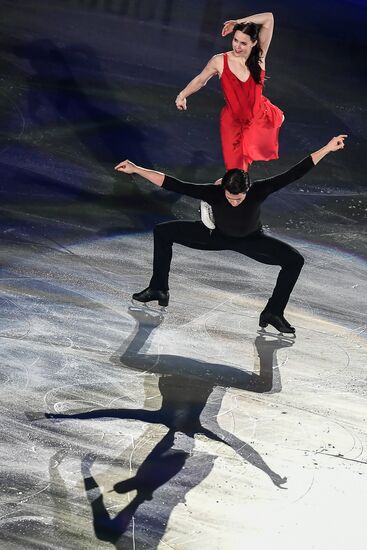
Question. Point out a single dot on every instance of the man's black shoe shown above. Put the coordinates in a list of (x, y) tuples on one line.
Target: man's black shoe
[(149, 294), (276, 321), (287, 324)]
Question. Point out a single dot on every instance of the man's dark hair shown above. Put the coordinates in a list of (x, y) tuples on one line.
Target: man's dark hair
[(236, 181)]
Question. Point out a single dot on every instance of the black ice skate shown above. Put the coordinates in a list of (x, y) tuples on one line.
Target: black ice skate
[(150, 294), (276, 321)]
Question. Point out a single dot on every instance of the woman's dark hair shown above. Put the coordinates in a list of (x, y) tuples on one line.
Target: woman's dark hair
[(252, 30), (236, 181)]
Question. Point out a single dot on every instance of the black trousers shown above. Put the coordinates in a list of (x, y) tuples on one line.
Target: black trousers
[(257, 246)]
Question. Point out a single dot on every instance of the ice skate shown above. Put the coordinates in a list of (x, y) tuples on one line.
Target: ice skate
[(276, 321), (151, 295), (207, 216)]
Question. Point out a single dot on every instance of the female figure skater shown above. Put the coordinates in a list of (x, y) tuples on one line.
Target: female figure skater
[(236, 206), (249, 122)]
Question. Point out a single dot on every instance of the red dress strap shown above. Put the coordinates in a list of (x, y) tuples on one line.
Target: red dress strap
[(225, 58)]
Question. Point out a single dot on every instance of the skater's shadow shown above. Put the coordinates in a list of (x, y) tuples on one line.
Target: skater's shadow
[(191, 395)]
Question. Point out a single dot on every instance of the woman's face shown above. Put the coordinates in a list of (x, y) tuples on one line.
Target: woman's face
[(242, 44)]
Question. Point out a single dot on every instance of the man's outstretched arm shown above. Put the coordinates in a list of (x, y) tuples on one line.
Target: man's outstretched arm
[(197, 191), (264, 187), (334, 145), (129, 167)]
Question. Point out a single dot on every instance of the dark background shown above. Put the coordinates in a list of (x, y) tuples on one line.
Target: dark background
[(87, 83)]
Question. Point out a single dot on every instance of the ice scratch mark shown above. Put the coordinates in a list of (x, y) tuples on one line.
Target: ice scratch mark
[(27, 371), (359, 330), (85, 262), (342, 457), (166, 544), (230, 410), (25, 316), (182, 540), (153, 397), (307, 490), (122, 398), (204, 316), (68, 389), (353, 437), (282, 363), (33, 494)]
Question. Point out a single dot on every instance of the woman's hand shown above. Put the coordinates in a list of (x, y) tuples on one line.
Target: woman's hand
[(337, 142), (126, 166), (228, 27), (181, 103)]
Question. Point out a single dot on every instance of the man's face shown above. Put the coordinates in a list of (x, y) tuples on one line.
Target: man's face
[(235, 199)]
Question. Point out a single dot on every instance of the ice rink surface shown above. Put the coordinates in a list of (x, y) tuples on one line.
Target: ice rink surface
[(191, 427)]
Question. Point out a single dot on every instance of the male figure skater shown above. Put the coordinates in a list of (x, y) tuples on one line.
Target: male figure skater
[(236, 204)]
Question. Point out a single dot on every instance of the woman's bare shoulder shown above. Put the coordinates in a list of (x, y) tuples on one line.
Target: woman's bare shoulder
[(217, 61)]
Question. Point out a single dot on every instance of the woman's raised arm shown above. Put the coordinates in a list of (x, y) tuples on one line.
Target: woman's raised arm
[(266, 23)]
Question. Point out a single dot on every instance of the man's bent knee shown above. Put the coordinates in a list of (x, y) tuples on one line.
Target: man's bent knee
[(295, 261)]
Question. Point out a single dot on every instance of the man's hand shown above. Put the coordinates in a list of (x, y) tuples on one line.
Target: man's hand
[(334, 145), (337, 142), (129, 167), (181, 103), (126, 166)]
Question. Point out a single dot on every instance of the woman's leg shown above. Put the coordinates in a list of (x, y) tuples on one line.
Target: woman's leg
[(231, 133)]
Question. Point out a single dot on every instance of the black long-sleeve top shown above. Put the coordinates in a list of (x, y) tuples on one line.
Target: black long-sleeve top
[(241, 220)]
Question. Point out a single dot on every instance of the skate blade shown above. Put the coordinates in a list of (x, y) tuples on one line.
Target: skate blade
[(280, 335), (143, 306), (143, 313)]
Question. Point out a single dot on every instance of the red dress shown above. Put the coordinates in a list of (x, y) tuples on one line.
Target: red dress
[(249, 122)]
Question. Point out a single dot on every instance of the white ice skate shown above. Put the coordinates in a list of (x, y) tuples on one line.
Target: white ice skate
[(207, 216)]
